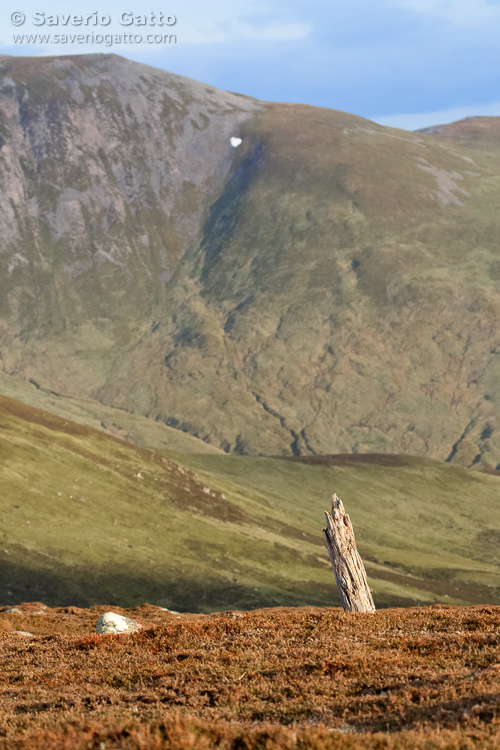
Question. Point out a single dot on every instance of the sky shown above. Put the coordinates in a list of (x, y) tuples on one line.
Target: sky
[(404, 63)]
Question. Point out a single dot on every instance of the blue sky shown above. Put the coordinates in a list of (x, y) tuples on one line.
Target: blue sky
[(406, 63)]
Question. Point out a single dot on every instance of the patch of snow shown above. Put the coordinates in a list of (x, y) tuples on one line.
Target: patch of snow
[(235, 142)]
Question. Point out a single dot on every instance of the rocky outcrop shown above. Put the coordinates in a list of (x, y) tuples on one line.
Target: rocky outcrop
[(110, 622), (107, 171)]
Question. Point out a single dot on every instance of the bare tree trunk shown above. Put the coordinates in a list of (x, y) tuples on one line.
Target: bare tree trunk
[(347, 565)]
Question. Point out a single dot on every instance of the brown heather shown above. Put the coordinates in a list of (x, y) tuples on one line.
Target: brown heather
[(271, 679)]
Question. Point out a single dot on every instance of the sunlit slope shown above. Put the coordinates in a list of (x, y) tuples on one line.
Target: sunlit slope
[(88, 518), (427, 531), (125, 425)]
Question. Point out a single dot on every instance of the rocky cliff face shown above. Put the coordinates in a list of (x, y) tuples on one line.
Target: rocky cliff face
[(328, 286), (107, 170)]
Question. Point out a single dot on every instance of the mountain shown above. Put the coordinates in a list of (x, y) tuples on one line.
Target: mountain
[(87, 518), (328, 286), (475, 132)]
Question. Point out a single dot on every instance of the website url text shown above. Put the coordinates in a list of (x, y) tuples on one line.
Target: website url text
[(108, 40)]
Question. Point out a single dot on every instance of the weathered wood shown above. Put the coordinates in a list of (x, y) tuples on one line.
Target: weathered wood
[(347, 565)]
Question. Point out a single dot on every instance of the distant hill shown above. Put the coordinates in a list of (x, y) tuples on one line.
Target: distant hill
[(89, 519), (476, 132), (329, 286)]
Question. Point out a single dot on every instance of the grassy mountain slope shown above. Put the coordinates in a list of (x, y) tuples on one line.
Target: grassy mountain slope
[(330, 286), (481, 133), (352, 303), (88, 518), (133, 428)]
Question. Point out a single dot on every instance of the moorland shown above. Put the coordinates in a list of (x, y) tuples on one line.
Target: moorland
[(303, 678)]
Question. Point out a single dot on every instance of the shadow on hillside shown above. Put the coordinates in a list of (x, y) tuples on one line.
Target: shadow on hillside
[(356, 459), (83, 587)]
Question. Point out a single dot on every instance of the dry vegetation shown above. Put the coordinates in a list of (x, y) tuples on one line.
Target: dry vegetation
[(272, 679)]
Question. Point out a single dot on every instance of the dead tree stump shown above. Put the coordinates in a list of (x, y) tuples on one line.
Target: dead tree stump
[(347, 565)]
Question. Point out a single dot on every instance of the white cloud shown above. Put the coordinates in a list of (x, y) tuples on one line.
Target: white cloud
[(440, 117), (276, 30), (465, 13), (209, 33)]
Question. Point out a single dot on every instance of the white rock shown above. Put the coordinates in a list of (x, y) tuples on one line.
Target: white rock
[(235, 142), (22, 632), (110, 622)]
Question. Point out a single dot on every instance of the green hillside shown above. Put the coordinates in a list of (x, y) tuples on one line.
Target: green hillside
[(87, 518), (117, 422), (329, 286)]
